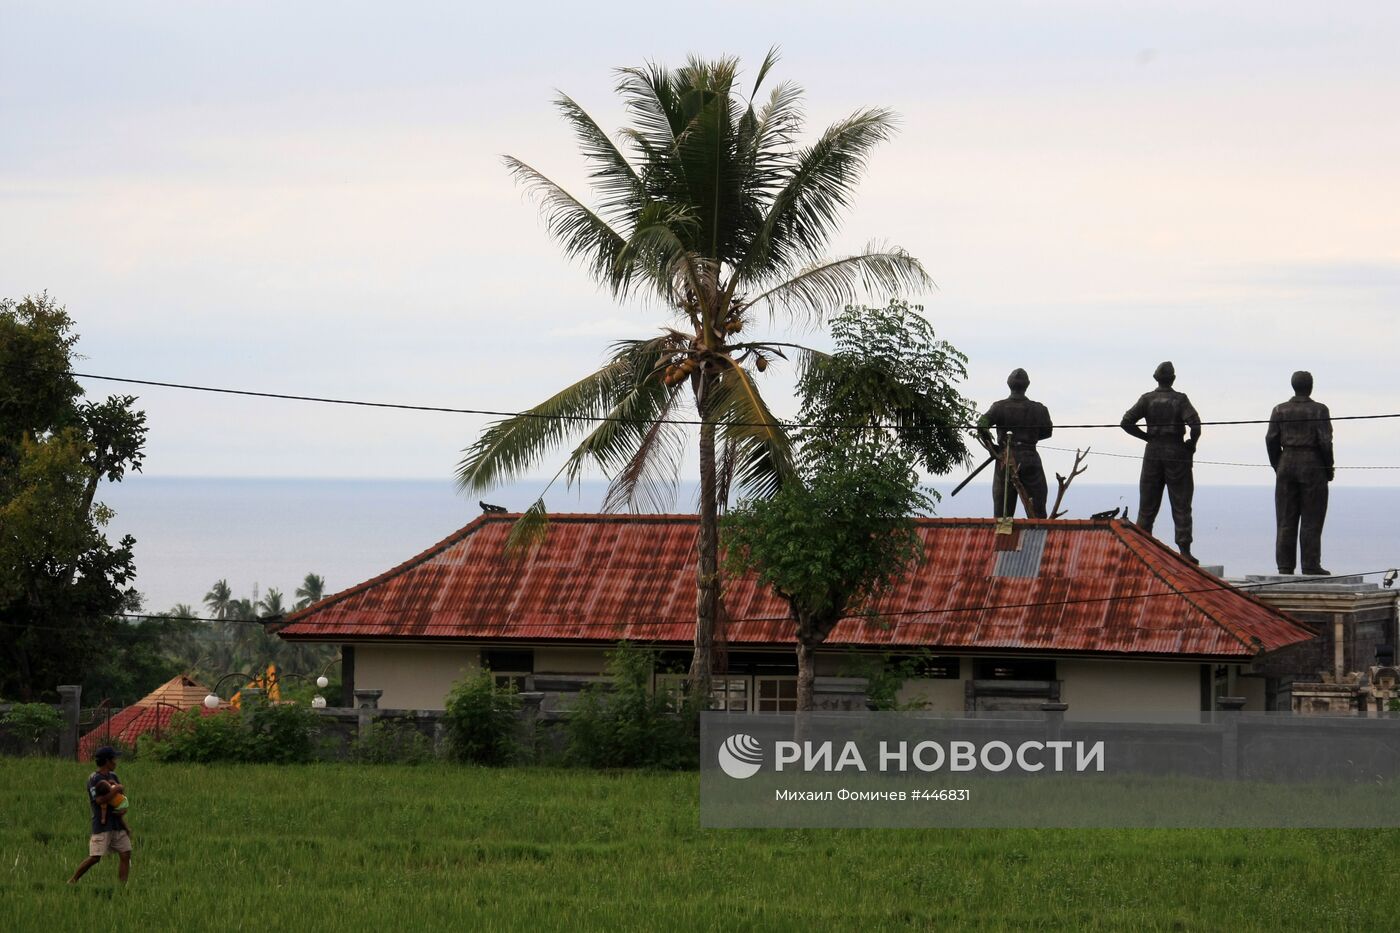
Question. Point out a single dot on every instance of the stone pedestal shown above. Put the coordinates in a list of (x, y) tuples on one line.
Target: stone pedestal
[(367, 708), (70, 698)]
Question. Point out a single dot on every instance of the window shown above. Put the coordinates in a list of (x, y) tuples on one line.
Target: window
[(927, 666), (1013, 669), (727, 694), (730, 694), (509, 667), (777, 694), (674, 687)]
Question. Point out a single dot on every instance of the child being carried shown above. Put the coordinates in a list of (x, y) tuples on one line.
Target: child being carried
[(117, 805)]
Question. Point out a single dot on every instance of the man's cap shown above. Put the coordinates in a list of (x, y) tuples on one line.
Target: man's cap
[(105, 753), (1164, 372)]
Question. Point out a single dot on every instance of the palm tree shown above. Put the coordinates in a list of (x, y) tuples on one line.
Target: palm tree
[(272, 604), (312, 590), (718, 214), (219, 599)]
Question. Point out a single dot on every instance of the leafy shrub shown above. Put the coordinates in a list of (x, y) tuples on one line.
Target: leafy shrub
[(389, 743), (32, 723), (885, 675), (480, 720), (199, 738), (625, 725), (280, 733)]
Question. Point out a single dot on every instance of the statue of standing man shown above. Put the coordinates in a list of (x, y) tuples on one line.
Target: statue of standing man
[(1167, 461), (1299, 440), (1021, 423)]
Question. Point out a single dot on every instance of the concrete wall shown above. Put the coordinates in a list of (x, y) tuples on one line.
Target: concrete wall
[(1130, 686), (420, 676), (412, 676), (1253, 689), (944, 695)]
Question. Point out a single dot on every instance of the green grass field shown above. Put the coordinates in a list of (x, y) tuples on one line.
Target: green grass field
[(395, 848)]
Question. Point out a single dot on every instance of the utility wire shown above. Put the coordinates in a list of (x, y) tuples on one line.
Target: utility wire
[(615, 418), (1234, 463)]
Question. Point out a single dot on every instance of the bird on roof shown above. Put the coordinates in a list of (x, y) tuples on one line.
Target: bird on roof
[(487, 508)]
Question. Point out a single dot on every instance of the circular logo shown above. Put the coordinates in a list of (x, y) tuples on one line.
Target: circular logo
[(740, 756)]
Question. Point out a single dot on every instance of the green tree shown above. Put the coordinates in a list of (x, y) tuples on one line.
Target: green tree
[(61, 580), (272, 604), (145, 653), (710, 207), (831, 541), (312, 590), (219, 599)]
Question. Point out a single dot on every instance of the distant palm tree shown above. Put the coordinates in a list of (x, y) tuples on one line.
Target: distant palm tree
[(721, 216), (271, 604), (312, 590), (219, 599)]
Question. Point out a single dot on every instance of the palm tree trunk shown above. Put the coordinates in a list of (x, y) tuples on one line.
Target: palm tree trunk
[(707, 571)]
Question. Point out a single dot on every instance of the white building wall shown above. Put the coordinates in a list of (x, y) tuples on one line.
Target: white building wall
[(1129, 686), (412, 676)]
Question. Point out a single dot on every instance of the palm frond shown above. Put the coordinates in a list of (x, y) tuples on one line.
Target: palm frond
[(529, 530), (769, 60), (819, 187), (835, 283), (613, 177), (768, 149), (509, 447), (763, 450), (580, 232), (639, 399), (650, 96), (660, 249), (647, 483)]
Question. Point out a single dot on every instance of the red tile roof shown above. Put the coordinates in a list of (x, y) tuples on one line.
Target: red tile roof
[(128, 725), (151, 713), (1101, 587)]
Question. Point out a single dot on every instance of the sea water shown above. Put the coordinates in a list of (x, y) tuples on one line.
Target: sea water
[(267, 533)]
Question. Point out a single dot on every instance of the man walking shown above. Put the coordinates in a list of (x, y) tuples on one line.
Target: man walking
[(1299, 441), (108, 831), (1021, 423), (1167, 461)]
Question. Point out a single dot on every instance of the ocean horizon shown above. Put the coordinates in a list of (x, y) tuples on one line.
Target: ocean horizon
[(264, 533)]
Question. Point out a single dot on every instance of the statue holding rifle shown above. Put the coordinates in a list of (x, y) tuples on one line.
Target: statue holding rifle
[(1020, 424)]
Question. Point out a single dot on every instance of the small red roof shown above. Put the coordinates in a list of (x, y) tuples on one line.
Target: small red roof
[(128, 725), (1100, 587), (151, 713)]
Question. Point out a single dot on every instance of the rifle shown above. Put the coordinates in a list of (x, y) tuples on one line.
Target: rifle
[(973, 475)]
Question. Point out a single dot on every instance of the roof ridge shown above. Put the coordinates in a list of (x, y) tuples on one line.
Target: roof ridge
[(461, 533), (1119, 528)]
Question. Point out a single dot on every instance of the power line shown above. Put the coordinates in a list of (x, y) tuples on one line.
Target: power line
[(443, 409), (1234, 463)]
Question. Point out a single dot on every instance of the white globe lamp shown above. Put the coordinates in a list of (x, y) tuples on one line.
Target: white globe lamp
[(323, 681), (318, 701), (211, 702)]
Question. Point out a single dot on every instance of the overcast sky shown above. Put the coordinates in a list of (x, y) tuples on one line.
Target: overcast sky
[(309, 198)]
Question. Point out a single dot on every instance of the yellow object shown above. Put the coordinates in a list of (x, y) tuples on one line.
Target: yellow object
[(267, 682)]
